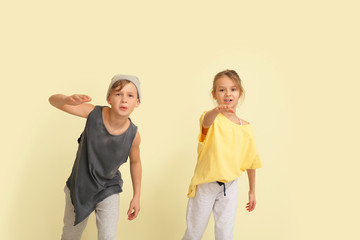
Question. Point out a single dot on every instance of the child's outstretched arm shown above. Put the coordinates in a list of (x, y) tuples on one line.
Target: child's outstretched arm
[(74, 104), (211, 115), (252, 201), (135, 170)]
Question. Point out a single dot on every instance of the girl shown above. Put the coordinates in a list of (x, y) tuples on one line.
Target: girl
[(226, 148), (108, 139)]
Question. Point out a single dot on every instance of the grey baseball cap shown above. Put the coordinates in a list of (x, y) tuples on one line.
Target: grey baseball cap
[(130, 78)]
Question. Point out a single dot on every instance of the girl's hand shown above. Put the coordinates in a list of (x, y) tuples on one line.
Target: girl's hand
[(250, 206), (77, 99), (224, 108), (134, 208)]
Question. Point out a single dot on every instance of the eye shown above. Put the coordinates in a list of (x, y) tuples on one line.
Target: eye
[(130, 95), (234, 89), (221, 90), (117, 94)]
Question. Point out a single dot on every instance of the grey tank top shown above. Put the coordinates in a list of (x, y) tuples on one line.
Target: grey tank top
[(95, 174)]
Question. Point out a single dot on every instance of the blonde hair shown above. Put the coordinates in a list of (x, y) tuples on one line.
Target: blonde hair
[(233, 76)]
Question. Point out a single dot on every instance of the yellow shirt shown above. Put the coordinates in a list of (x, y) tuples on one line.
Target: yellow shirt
[(226, 152)]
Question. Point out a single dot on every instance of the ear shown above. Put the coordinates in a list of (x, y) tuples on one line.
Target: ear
[(137, 103), (213, 94), (108, 100)]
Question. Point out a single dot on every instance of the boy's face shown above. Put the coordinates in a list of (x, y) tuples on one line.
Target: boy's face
[(125, 100)]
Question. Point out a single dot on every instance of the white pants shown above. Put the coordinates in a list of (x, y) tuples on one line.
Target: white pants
[(210, 197), (107, 215)]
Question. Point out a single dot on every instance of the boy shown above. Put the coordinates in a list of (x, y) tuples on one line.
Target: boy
[(108, 139)]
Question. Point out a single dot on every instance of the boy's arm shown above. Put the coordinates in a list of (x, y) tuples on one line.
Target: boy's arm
[(252, 201), (135, 171), (74, 104)]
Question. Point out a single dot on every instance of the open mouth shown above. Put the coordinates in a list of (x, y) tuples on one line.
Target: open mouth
[(228, 101)]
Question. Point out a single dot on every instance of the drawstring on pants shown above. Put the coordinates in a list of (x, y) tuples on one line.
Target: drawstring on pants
[(222, 184)]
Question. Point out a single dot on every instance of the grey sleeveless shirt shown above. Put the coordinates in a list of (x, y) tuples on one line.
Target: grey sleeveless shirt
[(95, 174)]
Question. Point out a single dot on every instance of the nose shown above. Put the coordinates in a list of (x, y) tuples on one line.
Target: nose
[(124, 99)]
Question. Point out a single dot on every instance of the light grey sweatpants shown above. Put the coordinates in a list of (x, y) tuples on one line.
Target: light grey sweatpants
[(209, 197), (107, 215)]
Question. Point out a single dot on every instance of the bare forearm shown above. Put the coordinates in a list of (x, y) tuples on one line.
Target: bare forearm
[(251, 177), (57, 100), (210, 117), (136, 171), (75, 104)]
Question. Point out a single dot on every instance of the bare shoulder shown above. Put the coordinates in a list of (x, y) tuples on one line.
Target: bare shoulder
[(244, 122), (137, 139)]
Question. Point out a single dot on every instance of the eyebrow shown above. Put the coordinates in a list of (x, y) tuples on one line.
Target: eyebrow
[(127, 92), (234, 86)]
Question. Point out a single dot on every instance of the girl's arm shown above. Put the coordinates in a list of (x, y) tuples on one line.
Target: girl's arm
[(74, 104), (135, 170), (211, 115), (252, 201)]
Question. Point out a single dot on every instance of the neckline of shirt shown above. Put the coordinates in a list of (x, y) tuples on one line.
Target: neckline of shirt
[(233, 122), (102, 122)]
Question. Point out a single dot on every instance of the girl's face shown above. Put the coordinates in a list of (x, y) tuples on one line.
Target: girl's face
[(226, 92), (125, 100)]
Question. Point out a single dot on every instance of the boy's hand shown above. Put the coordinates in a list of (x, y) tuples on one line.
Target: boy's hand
[(77, 99), (224, 108), (252, 202), (134, 208)]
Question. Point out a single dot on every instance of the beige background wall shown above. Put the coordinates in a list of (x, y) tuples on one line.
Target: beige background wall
[(299, 62)]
